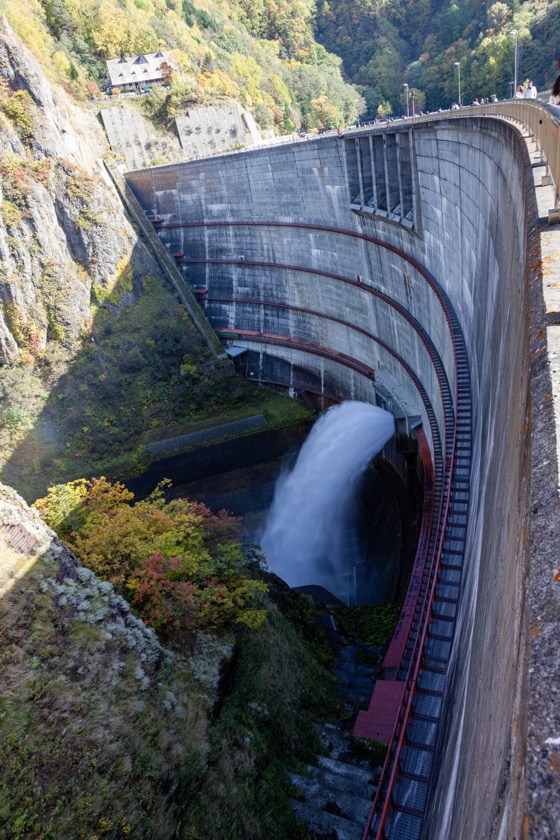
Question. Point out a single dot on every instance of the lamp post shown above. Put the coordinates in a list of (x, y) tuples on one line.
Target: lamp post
[(412, 95), (458, 66), (406, 91), (515, 35)]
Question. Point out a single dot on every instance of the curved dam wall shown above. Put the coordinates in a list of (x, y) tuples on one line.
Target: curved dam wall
[(321, 244)]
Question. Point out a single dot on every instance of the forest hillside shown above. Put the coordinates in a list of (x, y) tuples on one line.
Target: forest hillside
[(268, 61), (290, 62), (385, 43)]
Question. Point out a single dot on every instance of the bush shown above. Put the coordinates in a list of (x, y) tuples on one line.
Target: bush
[(19, 109), (11, 214), (181, 565)]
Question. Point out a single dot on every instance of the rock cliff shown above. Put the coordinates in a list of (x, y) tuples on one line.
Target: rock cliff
[(63, 232), (101, 728)]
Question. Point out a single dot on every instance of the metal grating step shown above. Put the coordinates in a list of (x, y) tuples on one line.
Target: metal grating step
[(444, 608), (447, 592), (427, 705), (458, 520), (435, 666), (410, 794), (452, 562), (437, 649), (416, 761), (402, 826), (461, 507), (449, 619), (449, 576), (456, 547), (430, 681), (456, 526), (459, 494), (441, 629)]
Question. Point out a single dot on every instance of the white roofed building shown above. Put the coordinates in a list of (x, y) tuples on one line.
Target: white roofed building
[(136, 71)]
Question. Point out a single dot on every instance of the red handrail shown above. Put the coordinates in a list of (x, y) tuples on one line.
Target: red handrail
[(326, 229), (399, 731), (399, 734), (420, 332)]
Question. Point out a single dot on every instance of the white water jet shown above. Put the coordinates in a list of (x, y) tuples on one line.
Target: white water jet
[(305, 531)]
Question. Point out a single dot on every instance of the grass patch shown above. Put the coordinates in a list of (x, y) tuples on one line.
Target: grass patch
[(371, 624), (145, 377), (265, 728), (278, 411), (375, 750)]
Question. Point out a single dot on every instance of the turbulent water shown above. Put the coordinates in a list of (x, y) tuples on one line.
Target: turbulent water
[(306, 535)]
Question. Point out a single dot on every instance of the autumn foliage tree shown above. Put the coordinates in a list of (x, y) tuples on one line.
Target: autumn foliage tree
[(181, 566), (155, 587)]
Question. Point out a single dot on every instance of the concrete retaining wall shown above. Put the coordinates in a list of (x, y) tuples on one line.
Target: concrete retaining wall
[(468, 187)]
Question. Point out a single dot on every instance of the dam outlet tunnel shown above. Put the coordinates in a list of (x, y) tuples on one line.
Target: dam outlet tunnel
[(390, 267)]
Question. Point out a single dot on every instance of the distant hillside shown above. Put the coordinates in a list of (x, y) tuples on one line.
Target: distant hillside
[(385, 43), (282, 60), (266, 59)]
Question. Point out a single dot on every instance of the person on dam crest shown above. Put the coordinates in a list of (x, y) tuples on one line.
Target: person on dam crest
[(555, 93), (530, 91)]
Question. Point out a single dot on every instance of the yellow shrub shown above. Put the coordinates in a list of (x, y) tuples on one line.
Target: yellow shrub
[(61, 63)]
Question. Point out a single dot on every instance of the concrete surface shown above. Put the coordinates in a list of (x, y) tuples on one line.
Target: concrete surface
[(542, 813), (476, 230)]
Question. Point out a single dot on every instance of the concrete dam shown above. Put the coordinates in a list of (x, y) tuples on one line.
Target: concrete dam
[(389, 266)]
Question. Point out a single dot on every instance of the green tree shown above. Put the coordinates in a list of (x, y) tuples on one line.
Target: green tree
[(384, 109), (182, 566), (498, 16), (325, 113), (288, 124)]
